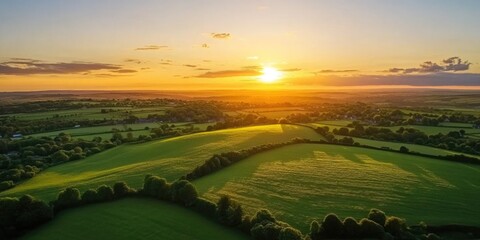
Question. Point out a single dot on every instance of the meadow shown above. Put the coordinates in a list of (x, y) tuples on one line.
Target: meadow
[(133, 219), (170, 158), (105, 132), (303, 182)]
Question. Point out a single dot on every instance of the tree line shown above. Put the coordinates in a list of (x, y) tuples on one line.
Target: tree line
[(19, 215)]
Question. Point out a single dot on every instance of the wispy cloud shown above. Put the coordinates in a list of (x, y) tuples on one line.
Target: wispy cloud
[(433, 79), (151, 47), (336, 71), (131, 60), (221, 35), (190, 65), (204, 45), (453, 64), (230, 73), (29, 67), (124, 71), (291, 70)]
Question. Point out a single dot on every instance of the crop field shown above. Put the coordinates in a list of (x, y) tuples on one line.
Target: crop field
[(307, 181), (170, 158), (133, 219)]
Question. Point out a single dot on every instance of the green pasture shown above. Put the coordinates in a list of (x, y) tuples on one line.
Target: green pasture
[(303, 182), (170, 158), (133, 219)]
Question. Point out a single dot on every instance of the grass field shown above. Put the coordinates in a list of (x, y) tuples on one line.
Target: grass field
[(307, 181), (105, 132), (133, 219), (169, 158)]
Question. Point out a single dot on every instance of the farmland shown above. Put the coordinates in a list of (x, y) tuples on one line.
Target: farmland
[(170, 158), (314, 180), (133, 218)]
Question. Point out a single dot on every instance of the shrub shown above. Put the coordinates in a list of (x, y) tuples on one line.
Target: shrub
[(377, 216), (266, 231), (90, 196), (262, 215), (290, 233), (60, 156), (315, 230), (6, 185), (351, 227), (70, 197), (186, 193), (105, 193), (156, 187), (331, 226), (205, 207), (395, 226), (121, 189), (371, 229)]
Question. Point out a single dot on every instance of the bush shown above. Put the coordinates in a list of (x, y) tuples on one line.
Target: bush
[(371, 229), (184, 192), (6, 185), (70, 197), (205, 207), (262, 215), (351, 227), (314, 230), (395, 226), (105, 193), (90, 196), (60, 156), (290, 233), (377, 216), (266, 231), (156, 187), (121, 189), (331, 226)]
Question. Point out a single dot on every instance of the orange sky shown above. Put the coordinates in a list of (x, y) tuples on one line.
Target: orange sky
[(208, 44)]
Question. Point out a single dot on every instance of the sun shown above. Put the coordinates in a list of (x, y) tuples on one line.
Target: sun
[(270, 75)]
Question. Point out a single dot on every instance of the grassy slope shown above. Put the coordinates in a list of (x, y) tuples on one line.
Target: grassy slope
[(169, 158), (306, 181), (133, 219)]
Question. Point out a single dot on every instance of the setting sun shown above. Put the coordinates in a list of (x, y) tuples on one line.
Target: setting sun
[(270, 75)]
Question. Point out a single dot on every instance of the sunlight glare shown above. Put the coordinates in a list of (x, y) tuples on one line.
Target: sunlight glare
[(270, 75)]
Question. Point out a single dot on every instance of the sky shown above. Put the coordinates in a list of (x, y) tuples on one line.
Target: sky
[(226, 44)]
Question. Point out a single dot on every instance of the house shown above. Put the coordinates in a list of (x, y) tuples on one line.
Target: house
[(17, 136)]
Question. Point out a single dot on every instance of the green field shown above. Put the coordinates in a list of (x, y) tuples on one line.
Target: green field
[(105, 132), (133, 219), (307, 181), (169, 158)]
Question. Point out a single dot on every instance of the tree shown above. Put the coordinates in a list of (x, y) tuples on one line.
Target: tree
[(156, 187), (121, 189), (290, 233), (262, 215), (90, 196), (105, 193), (315, 230), (351, 227), (404, 149), (69, 197), (60, 156), (371, 229), (395, 226), (187, 194), (377, 216), (331, 227)]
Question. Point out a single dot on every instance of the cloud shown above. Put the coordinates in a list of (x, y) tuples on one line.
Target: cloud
[(336, 71), (190, 65), (434, 79), (124, 71), (202, 69), (221, 35), (151, 47), (131, 60), (291, 70), (453, 64), (204, 45), (230, 73), (28, 67)]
